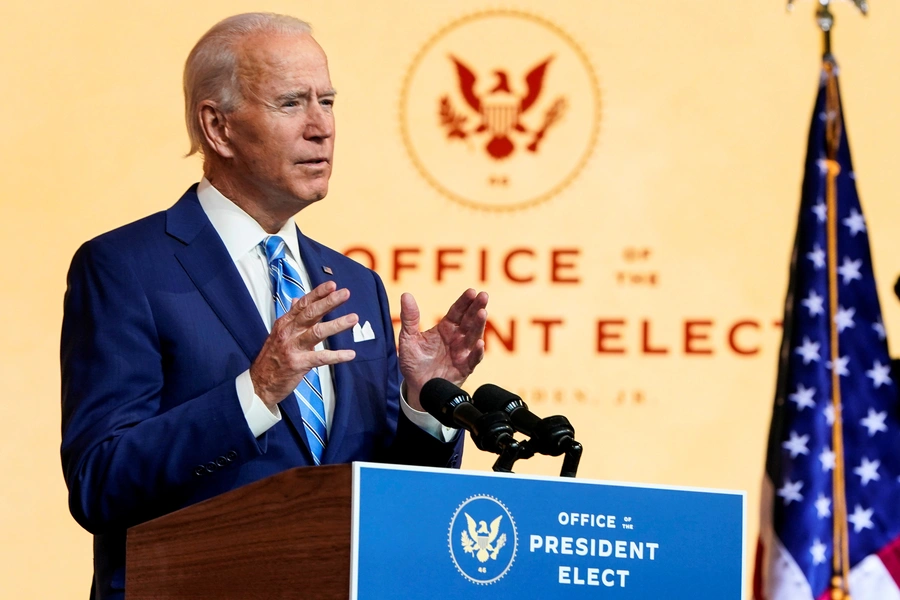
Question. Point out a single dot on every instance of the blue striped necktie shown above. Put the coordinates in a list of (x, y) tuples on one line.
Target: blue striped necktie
[(286, 286)]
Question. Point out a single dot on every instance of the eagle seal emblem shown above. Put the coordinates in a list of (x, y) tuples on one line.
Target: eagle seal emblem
[(500, 110), (481, 542), (482, 539)]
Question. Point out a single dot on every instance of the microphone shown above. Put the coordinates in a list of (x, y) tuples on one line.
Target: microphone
[(552, 435), (453, 407)]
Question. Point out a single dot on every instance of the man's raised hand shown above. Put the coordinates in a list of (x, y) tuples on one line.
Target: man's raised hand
[(450, 350), (289, 352)]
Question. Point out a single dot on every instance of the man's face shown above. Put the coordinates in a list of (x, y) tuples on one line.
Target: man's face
[(282, 134)]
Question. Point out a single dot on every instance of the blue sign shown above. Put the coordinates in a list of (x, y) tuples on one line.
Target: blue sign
[(440, 533)]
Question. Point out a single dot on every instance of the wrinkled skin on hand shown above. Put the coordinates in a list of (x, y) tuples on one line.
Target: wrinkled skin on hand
[(450, 350)]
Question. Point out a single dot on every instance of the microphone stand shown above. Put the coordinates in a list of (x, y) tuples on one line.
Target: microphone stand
[(510, 455), (492, 432), (573, 457), (560, 442)]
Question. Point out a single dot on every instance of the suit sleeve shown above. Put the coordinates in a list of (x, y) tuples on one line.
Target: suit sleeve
[(409, 444), (127, 458)]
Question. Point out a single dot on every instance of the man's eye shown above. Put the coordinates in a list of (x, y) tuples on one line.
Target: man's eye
[(290, 104)]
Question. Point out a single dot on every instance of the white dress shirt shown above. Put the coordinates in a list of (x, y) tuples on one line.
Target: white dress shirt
[(242, 235)]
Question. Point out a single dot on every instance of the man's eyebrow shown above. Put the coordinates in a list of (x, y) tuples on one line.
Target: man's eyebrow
[(293, 95), (302, 94)]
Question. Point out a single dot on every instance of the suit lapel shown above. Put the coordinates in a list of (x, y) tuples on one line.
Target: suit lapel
[(208, 264)]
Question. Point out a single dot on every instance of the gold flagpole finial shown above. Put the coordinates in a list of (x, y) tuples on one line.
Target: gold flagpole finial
[(825, 20), (862, 5)]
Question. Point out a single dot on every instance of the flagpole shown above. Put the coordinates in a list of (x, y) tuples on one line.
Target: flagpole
[(840, 585), (840, 589)]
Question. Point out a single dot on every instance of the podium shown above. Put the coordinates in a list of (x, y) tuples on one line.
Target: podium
[(370, 532)]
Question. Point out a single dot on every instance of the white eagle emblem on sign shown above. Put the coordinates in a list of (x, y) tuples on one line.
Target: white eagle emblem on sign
[(479, 540)]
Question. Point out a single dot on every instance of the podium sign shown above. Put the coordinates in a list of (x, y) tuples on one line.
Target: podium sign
[(424, 533)]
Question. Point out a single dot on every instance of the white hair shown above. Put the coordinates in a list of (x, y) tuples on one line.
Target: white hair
[(211, 69)]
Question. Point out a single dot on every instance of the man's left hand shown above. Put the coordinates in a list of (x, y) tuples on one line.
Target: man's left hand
[(449, 350)]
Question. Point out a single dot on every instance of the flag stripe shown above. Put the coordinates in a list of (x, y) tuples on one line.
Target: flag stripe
[(890, 556)]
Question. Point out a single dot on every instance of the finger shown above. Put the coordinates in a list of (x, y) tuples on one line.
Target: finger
[(298, 305), (472, 329), (312, 313), (409, 315), (459, 308), (322, 358), (325, 329), (476, 355), (474, 320), (475, 308)]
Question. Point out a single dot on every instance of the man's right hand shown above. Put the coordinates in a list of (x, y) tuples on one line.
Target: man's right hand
[(289, 352)]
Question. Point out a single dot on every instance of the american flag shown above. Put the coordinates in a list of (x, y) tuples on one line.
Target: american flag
[(831, 519)]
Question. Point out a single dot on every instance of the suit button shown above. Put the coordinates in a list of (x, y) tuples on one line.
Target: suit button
[(454, 458), (200, 471), (210, 467), (231, 455), (221, 461)]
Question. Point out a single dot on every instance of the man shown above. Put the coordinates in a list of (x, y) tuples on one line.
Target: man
[(181, 377)]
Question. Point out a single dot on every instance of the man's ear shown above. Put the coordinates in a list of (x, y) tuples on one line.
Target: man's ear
[(216, 130)]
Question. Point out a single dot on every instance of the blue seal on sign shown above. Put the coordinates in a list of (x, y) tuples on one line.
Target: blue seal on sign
[(482, 539)]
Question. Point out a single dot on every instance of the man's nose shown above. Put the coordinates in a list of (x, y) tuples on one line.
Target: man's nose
[(319, 122)]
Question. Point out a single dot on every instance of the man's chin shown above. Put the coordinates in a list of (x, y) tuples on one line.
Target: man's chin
[(311, 190), (309, 196)]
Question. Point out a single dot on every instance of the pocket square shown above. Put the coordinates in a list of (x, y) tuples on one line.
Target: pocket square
[(364, 333)]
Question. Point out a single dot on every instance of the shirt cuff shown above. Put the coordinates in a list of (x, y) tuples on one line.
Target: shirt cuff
[(260, 418), (425, 421)]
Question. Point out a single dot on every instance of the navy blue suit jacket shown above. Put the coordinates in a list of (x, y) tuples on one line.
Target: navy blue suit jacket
[(157, 325)]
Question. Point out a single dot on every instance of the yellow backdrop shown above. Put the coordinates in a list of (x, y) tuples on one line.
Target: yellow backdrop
[(636, 260)]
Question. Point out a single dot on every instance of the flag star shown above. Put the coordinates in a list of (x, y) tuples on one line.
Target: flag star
[(818, 552), (817, 256), (874, 422), (878, 326), (829, 413), (796, 445), (822, 163), (840, 366), (861, 519), (855, 222), (815, 303), (844, 318), (823, 506), (868, 470), (803, 397), (791, 491), (880, 374), (821, 211), (849, 270), (809, 351), (827, 459)]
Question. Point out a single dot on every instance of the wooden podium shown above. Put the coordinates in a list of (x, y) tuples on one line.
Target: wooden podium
[(287, 536), (386, 532)]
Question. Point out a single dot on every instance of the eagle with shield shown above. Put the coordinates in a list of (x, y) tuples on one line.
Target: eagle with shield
[(500, 110), (481, 541)]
